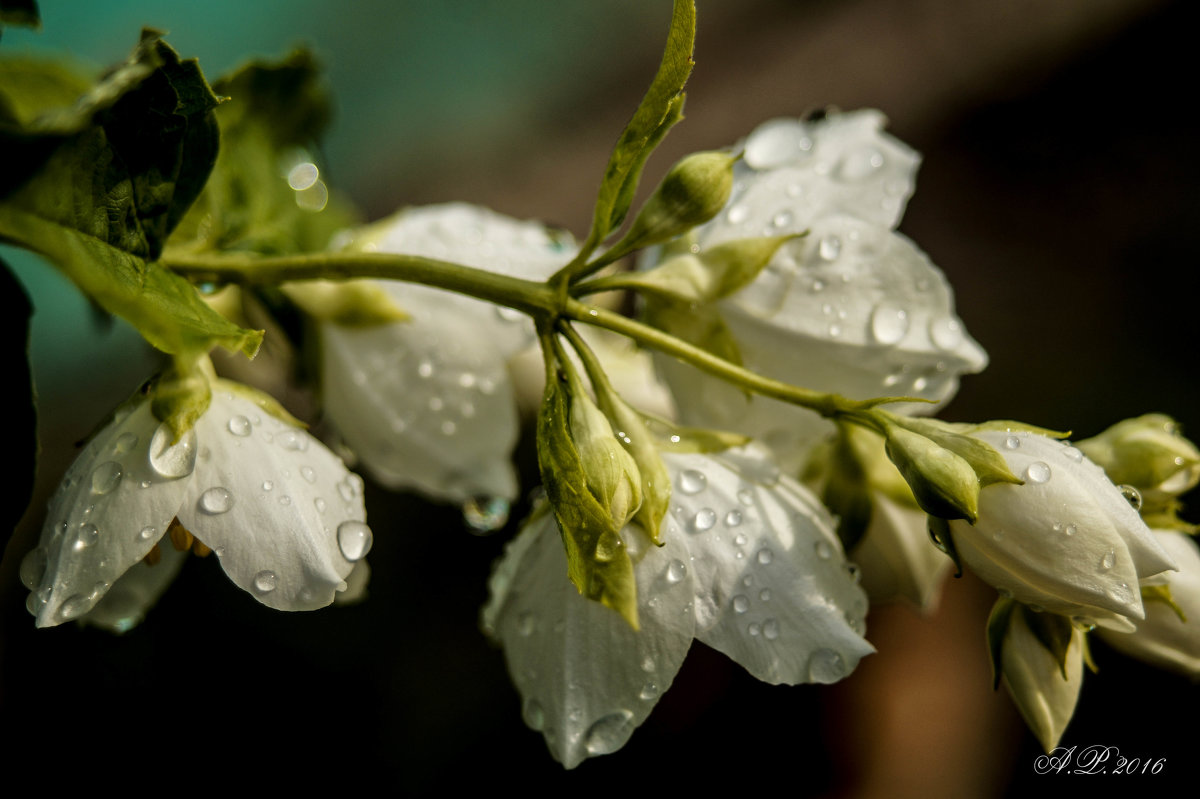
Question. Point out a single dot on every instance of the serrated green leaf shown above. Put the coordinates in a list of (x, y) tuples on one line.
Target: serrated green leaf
[(597, 561), (266, 194), (1053, 632), (22, 444), (997, 630), (659, 109), (672, 437), (102, 184)]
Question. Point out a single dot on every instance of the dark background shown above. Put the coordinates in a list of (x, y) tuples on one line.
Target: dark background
[(1058, 193)]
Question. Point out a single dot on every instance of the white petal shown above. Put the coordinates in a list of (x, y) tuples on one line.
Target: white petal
[(126, 603), (794, 173), (270, 500), (1066, 540), (111, 509), (897, 559), (773, 590), (586, 679), (1164, 639), (1033, 678)]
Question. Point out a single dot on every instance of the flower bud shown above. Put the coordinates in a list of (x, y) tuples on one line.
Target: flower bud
[(1043, 689), (943, 483), (1147, 453), (1066, 541), (693, 192)]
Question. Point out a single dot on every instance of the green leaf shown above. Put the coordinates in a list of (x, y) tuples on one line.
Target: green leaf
[(997, 631), (22, 443), (19, 12), (660, 108), (597, 561), (103, 182), (266, 194), (1053, 632)]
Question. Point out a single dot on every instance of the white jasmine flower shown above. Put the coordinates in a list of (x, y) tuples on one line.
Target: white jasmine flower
[(1067, 541), (852, 308), (428, 404), (750, 566), (1164, 639), (279, 510), (1045, 698)]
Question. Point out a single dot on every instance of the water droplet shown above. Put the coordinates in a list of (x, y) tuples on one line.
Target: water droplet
[(308, 474), (609, 733), (765, 595), (647, 664), (145, 484), (741, 603), (240, 426), (826, 666), (1083, 621), (946, 332), (765, 556), (293, 440), (746, 497), (320, 504), (485, 514), (737, 214), (1037, 472), (265, 582), (147, 533), (215, 500), (860, 164), (823, 550), (75, 606), (526, 623), (106, 477), (1074, 454), (1132, 496), (354, 540), (449, 428), (86, 536), (732, 519), (754, 629), (33, 568), (172, 460), (889, 323), (692, 481), (782, 219), (771, 629), (1012, 442), (534, 715), (1071, 529), (704, 520), (1109, 560), (829, 248), (835, 331), (124, 443), (676, 571), (649, 692)]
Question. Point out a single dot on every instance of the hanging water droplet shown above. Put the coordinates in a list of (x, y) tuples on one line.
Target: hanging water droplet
[(215, 501), (240, 426), (741, 603), (889, 323), (485, 514), (609, 733), (33, 568), (75, 606), (1037, 472), (771, 629), (265, 582), (1132, 496), (829, 248), (765, 556), (106, 477), (946, 332), (124, 443), (534, 715), (649, 692), (823, 550), (826, 666), (692, 481), (1012, 442), (676, 571), (172, 460), (1109, 560), (86, 536), (354, 540), (526, 623)]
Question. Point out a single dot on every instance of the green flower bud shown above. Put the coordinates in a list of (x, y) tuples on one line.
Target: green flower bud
[(944, 484), (1147, 453), (693, 192), (610, 471)]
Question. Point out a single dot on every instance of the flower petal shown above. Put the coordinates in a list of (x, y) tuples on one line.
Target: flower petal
[(279, 509), (126, 603), (773, 589), (1033, 678), (897, 558), (587, 679), (110, 510)]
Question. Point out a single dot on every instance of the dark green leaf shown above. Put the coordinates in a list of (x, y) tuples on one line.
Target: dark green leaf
[(997, 631), (22, 444)]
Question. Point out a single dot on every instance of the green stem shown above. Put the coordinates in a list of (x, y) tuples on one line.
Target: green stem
[(534, 298)]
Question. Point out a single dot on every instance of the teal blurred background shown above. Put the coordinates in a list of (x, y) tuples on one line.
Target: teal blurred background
[(1058, 193)]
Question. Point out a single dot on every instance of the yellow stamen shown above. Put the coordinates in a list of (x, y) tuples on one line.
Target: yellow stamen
[(181, 539), (153, 556), (200, 549)]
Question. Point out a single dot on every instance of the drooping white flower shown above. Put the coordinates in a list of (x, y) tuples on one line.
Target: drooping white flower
[(278, 509), (1164, 639), (897, 559), (428, 403), (1034, 678), (853, 307), (750, 566), (1067, 541)]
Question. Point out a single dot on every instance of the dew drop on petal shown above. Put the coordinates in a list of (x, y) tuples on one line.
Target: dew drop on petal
[(704, 520), (319, 503), (33, 568), (649, 692), (692, 481), (293, 440), (754, 629), (770, 629), (265, 581), (354, 540), (215, 500), (485, 514), (147, 533), (1109, 560), (86, 536), (737, 214), (1132, 496), (106, 477), (829, 248), (823, 550), (526, 623), (946, 332), (765, 595), (1074, 454), (765, 556), (609, 733), (74, 606), (1037, 472), (826, 666), (1012, 442), (740, 540), (774, 144), (534, 715), (676, 571), (889, 323), (124, 443), (309, 475), (172, 460), (733, 518), (1070, 529), (239, 425), (741, 603)]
